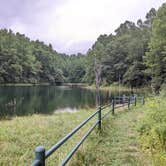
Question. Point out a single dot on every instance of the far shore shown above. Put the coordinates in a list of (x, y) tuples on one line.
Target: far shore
[(44, 84), (114, 87), (24, 84)]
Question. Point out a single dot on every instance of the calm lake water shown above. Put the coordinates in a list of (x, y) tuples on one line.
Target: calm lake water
[(21, 101)]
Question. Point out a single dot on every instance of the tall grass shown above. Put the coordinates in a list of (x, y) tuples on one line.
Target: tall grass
[(19, 136), (108, 88), (116, 145), (153, 129)]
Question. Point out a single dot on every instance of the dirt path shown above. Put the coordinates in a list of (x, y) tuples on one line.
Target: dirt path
[(124, 144), (118, 144)]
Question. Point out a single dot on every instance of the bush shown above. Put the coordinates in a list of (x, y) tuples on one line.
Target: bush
[(153, 130)]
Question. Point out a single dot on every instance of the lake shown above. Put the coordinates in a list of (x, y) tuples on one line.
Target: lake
[(27, 100)]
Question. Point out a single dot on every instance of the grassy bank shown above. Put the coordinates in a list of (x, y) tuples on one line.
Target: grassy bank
[(153, 130), (124, 137), (19, 136), (118, 143), (107, 88), (135, 137), (44, 83), (115, 87), (25, 84)]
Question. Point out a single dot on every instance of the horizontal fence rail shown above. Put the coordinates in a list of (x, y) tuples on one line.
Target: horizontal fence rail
[(41, 154), (63, 140)]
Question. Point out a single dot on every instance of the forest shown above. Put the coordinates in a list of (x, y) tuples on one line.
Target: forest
[(135, 55)]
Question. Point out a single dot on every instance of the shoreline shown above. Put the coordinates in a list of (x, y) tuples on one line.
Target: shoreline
[(24, 84), (80, 85), (44, 84)]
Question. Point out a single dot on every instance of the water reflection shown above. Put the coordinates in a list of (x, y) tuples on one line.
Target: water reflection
[(45, 99)]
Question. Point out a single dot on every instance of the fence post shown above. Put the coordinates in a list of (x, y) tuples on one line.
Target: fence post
[(40, 155), (113, 106), (99, 118), (125, 99), (143, 100), (135, 100), (129, 102)]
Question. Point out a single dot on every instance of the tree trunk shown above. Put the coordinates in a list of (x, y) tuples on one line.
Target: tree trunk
[(98, 80)]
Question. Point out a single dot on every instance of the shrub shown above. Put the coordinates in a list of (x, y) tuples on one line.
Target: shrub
[(153, 130)]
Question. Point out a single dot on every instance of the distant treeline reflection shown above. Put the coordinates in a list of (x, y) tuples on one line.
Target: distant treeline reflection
[(19, 101)]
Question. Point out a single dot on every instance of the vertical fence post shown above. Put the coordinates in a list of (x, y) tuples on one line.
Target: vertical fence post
[(143, 100), (124, 99), (99, 118), (113, 106), (135, 100), (129, 102), (40, 155)]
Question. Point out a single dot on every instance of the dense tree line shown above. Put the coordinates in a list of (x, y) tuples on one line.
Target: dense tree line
[(135, 55), (155, 58), (26, 61)]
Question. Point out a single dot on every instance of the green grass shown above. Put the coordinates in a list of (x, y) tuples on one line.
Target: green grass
[(19, 136), (153, 130), (135, 137), (119, 143), (115, 87)]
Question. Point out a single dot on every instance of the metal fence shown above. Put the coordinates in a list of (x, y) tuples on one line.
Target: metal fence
[(41, 154)]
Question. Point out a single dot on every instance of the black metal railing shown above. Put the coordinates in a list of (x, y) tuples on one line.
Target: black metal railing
[(41, 154)]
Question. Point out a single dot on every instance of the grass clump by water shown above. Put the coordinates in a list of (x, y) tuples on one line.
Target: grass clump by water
[(115, 88), (112, 87), (153, 130)]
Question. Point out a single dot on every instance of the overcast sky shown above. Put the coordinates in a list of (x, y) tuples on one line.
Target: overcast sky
[(71, 26)]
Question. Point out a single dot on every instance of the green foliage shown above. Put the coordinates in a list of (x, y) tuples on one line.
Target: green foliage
[(135, 55), (25, 61), (156, 57), (121, 55), (153, 130), (117, 144), (74, 68)]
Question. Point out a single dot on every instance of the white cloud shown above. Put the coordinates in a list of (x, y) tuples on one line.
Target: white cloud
[(75, 21)]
